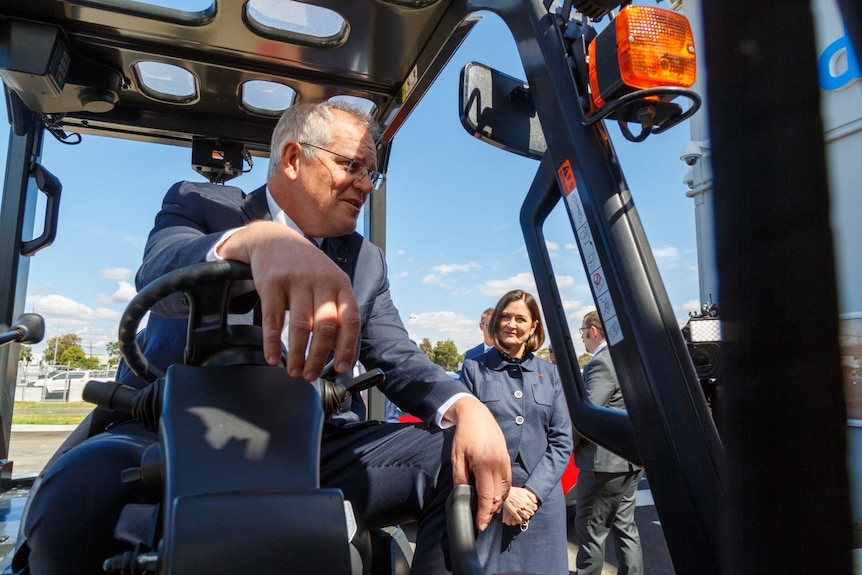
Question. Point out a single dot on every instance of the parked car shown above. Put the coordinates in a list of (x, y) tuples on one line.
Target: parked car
[(69, 384), (41, 381)]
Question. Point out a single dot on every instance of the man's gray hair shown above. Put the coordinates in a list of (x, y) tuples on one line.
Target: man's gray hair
[(309, 123)]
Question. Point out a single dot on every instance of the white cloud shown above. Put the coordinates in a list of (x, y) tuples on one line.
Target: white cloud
[(119, 274), (497, 288), (63, 315), (445, 269), (432, 279), (667, 256), (64, 308), (565, 281), (445, 325), (123, 295)]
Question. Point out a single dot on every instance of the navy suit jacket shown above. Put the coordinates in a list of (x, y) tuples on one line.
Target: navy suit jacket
[(194, 217), (474, 352), (532, 392)]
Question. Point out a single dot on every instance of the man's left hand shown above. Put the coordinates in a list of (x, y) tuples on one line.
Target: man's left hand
[(479, 448)]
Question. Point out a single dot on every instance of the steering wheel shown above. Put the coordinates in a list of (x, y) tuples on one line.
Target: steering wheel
[(207, 290)]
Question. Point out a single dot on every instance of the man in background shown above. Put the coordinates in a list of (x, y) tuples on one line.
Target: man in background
[(607, 483), (488, 341)]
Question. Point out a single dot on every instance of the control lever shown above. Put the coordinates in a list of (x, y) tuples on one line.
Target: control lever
[(333, 392), (145, 404), (462, 540)]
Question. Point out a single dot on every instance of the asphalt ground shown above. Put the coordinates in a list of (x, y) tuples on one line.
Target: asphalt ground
[(31, 446)]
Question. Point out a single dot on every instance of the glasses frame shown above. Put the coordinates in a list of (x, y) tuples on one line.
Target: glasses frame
[(354, 168)]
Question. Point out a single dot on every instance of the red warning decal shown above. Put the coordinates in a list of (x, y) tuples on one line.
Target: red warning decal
[(567, 177)]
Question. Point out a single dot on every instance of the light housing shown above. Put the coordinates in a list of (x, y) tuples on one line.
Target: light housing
[(643, 47)]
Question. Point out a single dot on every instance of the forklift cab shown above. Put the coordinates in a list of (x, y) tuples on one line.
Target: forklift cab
[(212, 79)]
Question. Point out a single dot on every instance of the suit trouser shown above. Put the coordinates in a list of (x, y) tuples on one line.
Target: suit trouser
[(606, 504), (389, 473)]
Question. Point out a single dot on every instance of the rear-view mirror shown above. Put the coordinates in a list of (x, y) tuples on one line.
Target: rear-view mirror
[(499, 109)]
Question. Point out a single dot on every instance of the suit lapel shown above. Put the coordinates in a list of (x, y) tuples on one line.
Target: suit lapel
[(255, 206)]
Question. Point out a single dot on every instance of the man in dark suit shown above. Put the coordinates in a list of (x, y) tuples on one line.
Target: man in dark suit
[(487, 340), (335, 290), (607, 484)]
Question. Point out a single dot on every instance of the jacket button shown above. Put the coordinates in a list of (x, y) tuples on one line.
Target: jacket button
[(519, 420), (519, 394)]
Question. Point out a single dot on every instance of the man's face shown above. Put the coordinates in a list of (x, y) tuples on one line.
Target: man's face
[(324, 199), (588, 337), (486, 335)]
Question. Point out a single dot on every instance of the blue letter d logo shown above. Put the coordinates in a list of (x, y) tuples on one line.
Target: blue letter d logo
[(828, 80)]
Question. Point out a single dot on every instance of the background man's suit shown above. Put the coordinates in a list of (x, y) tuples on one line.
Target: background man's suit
[(607, 484), (388, 472), (475, 352)]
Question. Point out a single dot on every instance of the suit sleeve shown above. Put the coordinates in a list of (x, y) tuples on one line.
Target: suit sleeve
[(601, 382), (190, 222), (549, 471), (413, 382)]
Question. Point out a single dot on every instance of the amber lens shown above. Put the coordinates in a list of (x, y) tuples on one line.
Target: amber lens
[(656, 48)]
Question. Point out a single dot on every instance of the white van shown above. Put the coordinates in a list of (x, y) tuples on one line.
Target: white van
[(69, 384)]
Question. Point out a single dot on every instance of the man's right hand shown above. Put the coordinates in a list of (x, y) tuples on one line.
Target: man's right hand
[(290, 273), (479, 449)]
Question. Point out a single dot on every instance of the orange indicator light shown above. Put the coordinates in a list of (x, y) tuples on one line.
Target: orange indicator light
[(644, 47)]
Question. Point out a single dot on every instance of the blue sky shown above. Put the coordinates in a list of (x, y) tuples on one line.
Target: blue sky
[(454, 244)]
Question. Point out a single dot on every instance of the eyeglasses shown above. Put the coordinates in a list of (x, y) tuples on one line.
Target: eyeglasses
[(354, 168), (583, 329)]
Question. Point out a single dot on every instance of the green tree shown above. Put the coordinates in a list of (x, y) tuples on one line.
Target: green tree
[(25, 353), (74, 356), (446, 354), (584, 359), (57, 346), (114, 354), (426, 347)]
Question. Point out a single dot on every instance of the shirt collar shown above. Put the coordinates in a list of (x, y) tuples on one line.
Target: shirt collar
[(496, 361), (278, 215), (602, 346)]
